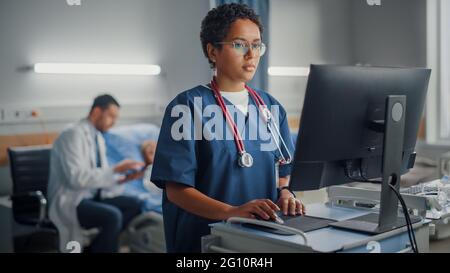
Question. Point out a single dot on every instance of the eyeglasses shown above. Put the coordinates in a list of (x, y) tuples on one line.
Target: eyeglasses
[(242, 47)]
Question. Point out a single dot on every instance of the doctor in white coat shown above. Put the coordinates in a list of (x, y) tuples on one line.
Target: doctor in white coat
[(78, 173)]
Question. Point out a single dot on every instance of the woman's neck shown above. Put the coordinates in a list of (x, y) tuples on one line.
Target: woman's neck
[(228, 85)]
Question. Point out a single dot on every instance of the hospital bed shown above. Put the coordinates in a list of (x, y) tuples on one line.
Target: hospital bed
[(145, 233)]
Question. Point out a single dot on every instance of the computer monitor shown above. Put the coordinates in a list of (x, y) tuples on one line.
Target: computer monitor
[(360, 123)]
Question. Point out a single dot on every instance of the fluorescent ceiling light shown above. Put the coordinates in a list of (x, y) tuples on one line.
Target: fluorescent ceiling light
[(288, 71), (97, 69)]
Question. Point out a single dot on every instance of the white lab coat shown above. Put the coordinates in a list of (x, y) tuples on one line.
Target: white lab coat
[(73, 176)]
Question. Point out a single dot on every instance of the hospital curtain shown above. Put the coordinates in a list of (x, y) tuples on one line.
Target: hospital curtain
[(261, 7)]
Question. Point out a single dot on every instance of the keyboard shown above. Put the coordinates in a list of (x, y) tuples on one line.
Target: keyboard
[(304, 223)]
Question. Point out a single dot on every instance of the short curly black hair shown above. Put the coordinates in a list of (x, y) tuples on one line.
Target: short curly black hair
[(217, 23)]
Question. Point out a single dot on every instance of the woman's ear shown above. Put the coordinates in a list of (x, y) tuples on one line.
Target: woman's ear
[(212, 51)]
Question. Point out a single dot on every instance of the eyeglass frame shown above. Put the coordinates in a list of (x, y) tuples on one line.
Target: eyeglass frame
[(262, 46)]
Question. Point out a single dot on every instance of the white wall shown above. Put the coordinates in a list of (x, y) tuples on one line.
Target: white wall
[(164, 32), (393, 34), (342, 32), (305, 32)]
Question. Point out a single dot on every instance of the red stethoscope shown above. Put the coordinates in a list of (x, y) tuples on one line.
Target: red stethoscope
[(246, 159)]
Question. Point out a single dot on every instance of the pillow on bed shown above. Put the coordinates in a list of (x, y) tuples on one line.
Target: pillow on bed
[(125, 141), (136, 133)]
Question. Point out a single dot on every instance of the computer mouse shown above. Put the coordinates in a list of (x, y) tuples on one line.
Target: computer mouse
[(277, 220)]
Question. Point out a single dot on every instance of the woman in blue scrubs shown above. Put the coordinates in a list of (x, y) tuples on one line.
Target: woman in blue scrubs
[(206, 176)]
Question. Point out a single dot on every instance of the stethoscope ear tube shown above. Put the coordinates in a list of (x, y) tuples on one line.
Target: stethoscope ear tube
[(269, 120), (282, 159)]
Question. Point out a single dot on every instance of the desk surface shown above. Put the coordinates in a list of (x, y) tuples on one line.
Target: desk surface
[(329, 239)]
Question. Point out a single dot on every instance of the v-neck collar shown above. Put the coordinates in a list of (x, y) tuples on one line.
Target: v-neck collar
[(239, 112), (227, 102)]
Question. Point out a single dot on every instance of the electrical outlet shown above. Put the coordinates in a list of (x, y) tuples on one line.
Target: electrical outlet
[(373, 2), (18, 114), (14, 115)]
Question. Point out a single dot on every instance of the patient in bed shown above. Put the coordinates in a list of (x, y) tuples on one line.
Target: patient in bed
[(136, 142), (145, 189), (148, 149)]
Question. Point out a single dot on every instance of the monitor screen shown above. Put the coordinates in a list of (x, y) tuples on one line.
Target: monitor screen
[(337, 142)]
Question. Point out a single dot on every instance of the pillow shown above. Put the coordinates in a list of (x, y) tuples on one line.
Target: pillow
[(125, 141), (136, 133)]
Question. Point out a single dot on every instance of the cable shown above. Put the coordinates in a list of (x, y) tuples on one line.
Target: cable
[(405, 210), (411, 234)]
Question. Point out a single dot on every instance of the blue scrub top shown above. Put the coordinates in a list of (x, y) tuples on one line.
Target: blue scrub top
[(211, 166)]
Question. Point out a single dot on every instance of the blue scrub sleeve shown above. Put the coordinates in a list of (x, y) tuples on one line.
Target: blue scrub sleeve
[(175, 159)]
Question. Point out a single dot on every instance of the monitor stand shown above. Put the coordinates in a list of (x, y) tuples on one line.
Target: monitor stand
[(387, 219)]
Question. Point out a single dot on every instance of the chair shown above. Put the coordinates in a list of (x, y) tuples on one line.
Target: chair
[(30, 171)]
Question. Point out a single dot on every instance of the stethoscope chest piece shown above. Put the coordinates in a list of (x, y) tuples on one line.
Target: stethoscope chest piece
[(245, 160)]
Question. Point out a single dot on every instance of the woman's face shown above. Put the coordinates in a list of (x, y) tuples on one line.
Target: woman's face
[(230, 62)]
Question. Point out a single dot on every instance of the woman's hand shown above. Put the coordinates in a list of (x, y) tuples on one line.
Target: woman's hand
[(289, 204), (263, 208)]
